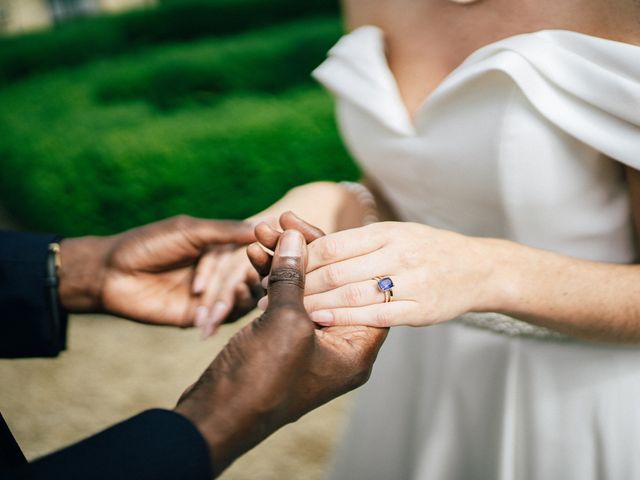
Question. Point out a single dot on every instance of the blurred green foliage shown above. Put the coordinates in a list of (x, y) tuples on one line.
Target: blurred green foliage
[(268, 60), (217, 128), (173, 21)]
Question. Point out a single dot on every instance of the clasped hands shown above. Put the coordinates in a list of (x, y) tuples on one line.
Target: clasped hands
[(437, 275), (273, 371), (321, 331)]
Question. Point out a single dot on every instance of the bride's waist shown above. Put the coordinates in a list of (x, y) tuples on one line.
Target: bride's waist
[(509, 326)]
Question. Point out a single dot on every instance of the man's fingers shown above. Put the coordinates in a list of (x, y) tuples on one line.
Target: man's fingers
[(290, 221), (286, 281), (207, 232)]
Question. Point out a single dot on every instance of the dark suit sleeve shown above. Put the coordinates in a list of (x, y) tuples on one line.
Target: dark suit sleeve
[(155, 445), (26, 321)]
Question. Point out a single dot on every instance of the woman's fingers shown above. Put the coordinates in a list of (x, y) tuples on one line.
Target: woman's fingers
[(259, 258), (204, 276), (328, 249), (204, 270), (290, 221), (345, 244), (267, 235), (213, 281), (379, 315), (358, 294), (217, 300), (352, 270)]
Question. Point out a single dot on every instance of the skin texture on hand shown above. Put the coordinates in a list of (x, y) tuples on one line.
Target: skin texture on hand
[(437, 275), (279, 367), (144, 274)]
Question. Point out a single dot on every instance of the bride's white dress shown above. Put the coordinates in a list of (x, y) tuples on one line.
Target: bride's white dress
[(526, 140)]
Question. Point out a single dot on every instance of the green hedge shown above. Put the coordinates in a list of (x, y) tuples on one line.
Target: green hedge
[(87, 39), (268, 60), (102, 174), (74, 164)]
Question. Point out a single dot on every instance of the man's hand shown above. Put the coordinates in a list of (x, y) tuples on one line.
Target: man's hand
[(143, 274), (277, 368)]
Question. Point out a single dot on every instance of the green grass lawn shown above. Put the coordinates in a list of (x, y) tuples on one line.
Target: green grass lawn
[(215, 128)]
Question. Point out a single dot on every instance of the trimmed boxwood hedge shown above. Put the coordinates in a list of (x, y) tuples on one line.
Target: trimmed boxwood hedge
[(267, 60), (75, 163), (87, 39)]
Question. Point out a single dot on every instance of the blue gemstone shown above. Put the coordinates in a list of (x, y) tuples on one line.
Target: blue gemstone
[(385, 284)]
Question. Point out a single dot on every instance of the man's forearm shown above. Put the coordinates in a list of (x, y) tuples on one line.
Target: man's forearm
[(155, 445)]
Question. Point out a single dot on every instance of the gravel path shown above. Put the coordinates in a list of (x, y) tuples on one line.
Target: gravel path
[(114, 369)]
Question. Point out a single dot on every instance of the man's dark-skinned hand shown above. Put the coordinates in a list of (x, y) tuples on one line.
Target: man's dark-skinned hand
[(280, 366), (143, 274)]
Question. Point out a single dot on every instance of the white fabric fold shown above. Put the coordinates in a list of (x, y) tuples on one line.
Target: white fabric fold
[(357, 69), (587, 86)]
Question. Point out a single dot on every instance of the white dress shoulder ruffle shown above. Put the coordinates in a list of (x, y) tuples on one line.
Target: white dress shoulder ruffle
[(526, 140)]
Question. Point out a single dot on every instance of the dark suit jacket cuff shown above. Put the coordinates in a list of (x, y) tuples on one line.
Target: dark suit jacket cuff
[(155, 445), (26, 321)]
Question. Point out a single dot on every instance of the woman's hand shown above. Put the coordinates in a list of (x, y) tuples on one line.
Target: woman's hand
[(437, 275), (226, 285)]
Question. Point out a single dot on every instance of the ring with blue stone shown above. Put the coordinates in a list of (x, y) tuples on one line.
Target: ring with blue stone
[(385, 285)]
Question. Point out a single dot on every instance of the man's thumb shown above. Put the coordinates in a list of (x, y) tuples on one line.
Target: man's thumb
[(286, 280)]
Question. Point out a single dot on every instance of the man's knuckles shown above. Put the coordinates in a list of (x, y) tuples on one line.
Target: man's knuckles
[(291, 320), (288, 273)]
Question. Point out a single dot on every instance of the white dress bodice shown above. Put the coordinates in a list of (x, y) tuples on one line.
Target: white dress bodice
[(525, 140)]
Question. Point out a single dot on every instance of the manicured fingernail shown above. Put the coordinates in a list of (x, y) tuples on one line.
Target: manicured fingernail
[(263, 303), (265, 282), (204, 331), (217, 312), (204, 328), (214, 330), (323, 317), (198, 284), (202, 313), (291, 244)]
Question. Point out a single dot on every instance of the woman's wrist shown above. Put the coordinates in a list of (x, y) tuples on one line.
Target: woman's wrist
[(323, 204), (503, 262), (364, 202), (520, 280)]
